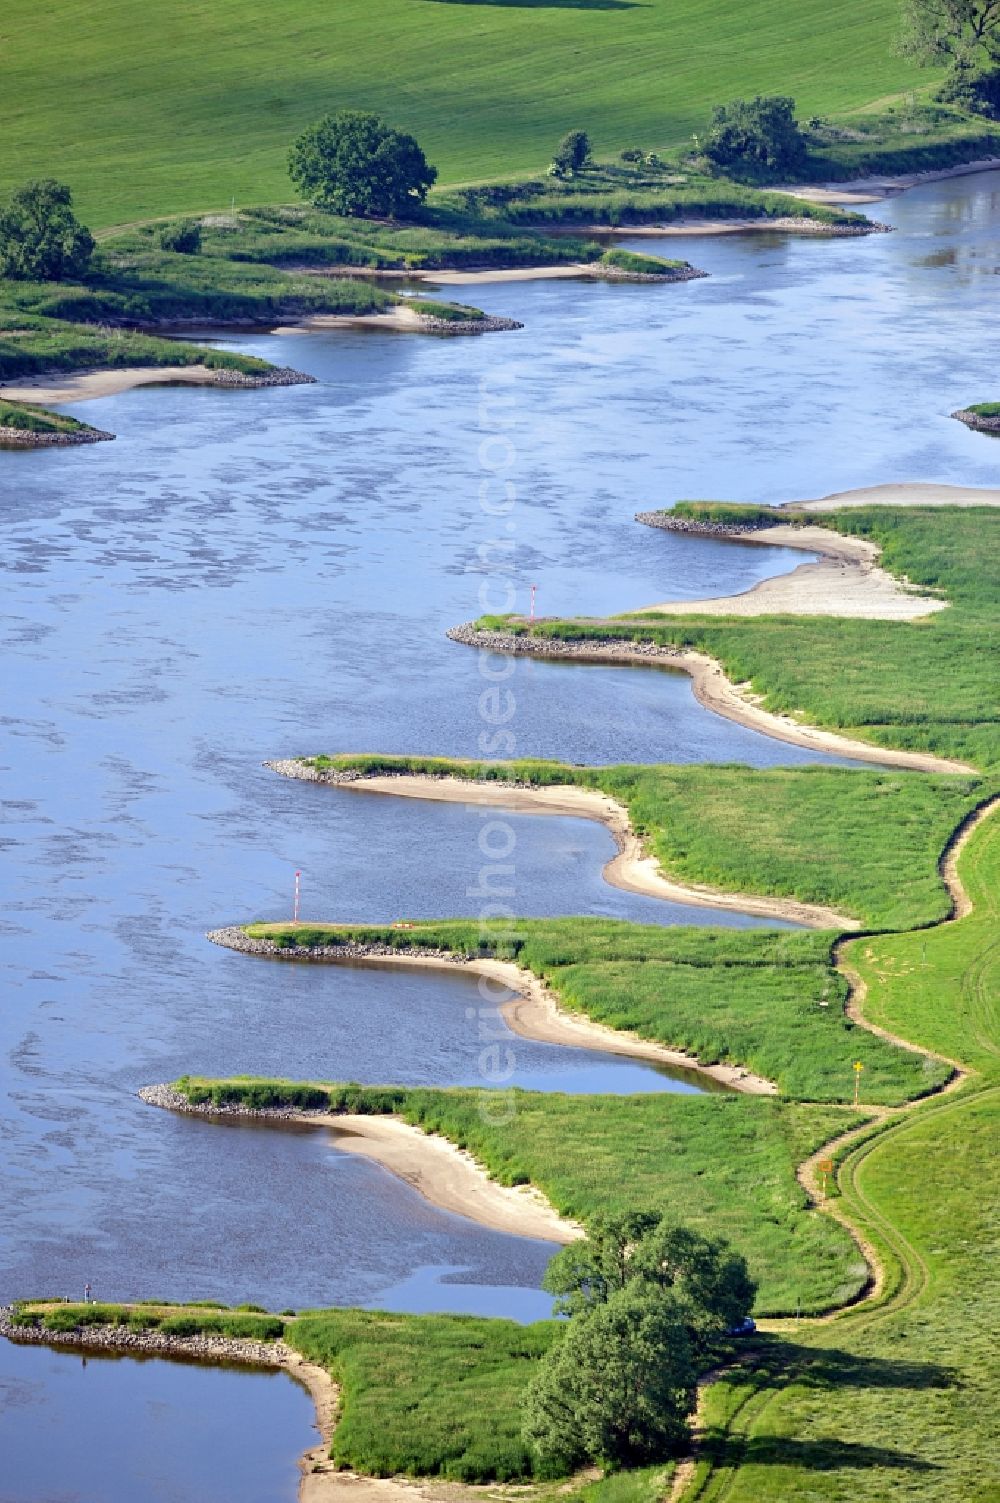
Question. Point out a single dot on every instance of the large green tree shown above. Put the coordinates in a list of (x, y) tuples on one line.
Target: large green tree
[(963, 32), (354, 163), (41, 239), (618, 1388), (708, 1282)]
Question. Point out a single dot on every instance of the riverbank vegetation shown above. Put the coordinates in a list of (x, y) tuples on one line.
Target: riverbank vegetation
[(904, 1392), (36, 421), (931, 685)]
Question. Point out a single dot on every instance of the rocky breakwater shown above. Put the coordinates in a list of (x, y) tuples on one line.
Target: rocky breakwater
[(278, 375), (235, 938), (487, 324), (598, 649), (129, 1342), (982, 422), (669, 523), (684, 272), (28, 438)]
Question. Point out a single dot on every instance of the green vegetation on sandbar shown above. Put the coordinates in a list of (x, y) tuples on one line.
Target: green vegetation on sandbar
[(201, 1319), (425, 1395), (725, 1165), (862, 842), (985, 409), (931, 685), (902, 1398), (38, 420), (770, 1002)]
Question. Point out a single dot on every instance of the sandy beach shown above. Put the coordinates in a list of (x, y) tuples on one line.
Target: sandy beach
[(451, 1178), (847, 581), (81, 386), (633, 869), (399, 317)]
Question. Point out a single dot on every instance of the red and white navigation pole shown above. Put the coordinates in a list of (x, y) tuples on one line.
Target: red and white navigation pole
[(298, 890), (531, 614)]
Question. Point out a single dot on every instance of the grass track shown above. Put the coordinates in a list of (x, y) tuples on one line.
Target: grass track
[(150, 110)]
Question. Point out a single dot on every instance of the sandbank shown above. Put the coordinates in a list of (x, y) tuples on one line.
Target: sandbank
[(903, 493), (83, 385), (847, 581), (633, 869), (451, 1178), (869, 190), (398, 317)]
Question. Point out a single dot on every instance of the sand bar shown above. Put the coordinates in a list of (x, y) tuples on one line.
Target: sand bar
[(848, 581), (904, 493), (869, 190), (451, 1178), (82, 385), (633, 869)]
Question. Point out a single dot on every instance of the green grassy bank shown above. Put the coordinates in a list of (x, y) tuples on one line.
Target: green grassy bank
[(900, 1399), (204, 111)]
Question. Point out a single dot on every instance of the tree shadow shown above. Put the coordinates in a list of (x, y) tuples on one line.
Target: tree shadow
[(553, 4), (810, 1455), (831, 1367)]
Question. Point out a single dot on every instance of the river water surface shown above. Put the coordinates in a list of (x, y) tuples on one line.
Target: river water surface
[(244, 575)]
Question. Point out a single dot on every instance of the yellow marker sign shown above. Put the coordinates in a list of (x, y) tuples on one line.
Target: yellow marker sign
[(858, 1067)]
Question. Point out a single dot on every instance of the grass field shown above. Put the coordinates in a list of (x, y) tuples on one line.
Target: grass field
[(931, 685), (203, 111), (899, 1400)]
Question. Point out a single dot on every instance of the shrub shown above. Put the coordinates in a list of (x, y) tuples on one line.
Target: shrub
[(572, 153), (184, 237), (974, 89), (760, 133)]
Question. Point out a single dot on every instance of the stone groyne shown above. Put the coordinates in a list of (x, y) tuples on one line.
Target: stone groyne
[(669, 523), (28, 438), (280, 375), (488, 324), (981, 422), (600, 649), (209, 1347), (235, 938)]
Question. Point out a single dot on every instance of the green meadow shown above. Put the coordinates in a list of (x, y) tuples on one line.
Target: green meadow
[(145, 111)]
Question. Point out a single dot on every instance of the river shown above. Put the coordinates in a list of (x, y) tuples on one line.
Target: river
[(244, 575)]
